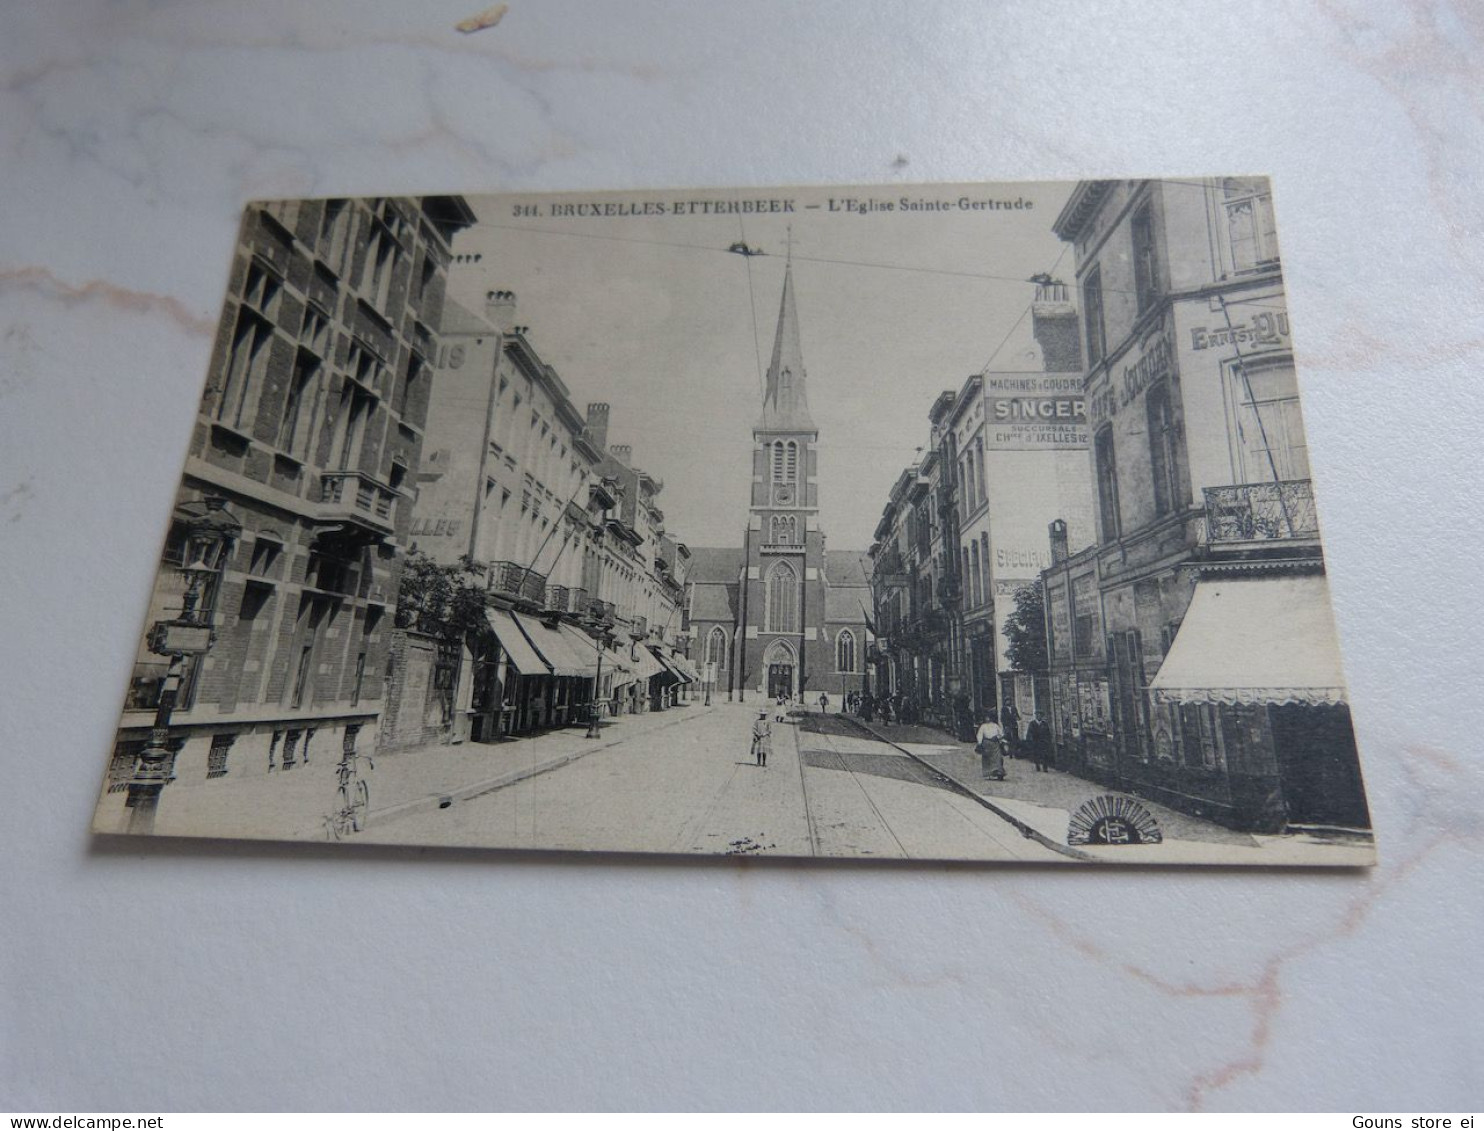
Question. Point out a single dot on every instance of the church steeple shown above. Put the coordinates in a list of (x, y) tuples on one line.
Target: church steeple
[(786, 399)]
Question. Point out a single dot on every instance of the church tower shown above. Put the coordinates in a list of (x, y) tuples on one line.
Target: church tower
[(784, 645)]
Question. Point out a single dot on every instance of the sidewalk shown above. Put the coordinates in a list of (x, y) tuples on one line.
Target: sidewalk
[(416, 779), (1046, 801)]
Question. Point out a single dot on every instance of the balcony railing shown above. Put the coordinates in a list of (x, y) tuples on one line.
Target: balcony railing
[(639, 628), (354, 494), (602, 612), (562, 599), (1261, 512), (517, 582)]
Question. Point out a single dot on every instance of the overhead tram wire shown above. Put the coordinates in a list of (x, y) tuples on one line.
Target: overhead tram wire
[(757, 349)]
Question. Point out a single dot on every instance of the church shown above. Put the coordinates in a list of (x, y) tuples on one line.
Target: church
[(782, 615)]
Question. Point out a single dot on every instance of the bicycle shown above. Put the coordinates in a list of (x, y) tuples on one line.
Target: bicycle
[(353, 794)]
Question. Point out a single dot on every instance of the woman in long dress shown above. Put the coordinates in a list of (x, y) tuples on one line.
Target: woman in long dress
[(989, 741)]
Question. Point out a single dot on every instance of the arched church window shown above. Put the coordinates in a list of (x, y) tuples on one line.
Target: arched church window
[(784, 528), (786, 380), (778, 457), (782, 613), (791, 465), (716, 648), (845, 651)]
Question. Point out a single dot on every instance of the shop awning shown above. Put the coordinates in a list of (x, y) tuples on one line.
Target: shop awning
[(683, 666), (644, 665), (583, 646), (670, 671), (552, 645), (1254, 640), (622, 666), (515, 644)]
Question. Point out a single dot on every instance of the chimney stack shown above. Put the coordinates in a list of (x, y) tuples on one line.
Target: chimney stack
[(624, 453), (499, 310), (1055, 328), (597, 425), (1058, 531)]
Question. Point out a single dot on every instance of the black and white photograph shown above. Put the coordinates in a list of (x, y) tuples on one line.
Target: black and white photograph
[(969, 522)]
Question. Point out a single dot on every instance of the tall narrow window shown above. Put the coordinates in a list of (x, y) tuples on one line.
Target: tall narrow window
[(333, 234), (845, 651), (1107, 469), (216, 757), (1092, 315), (247, 368), (1270, 429), (411, 386), (984, 564), (295, 428), (716, 648), (382, 255), (1146, 277), (791, 463), (1162, 465), (977, 588), (356, 406), (778, 462), (782, 599), (1249, 222)]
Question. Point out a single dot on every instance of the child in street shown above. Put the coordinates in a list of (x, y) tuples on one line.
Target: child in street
[(762, 738)]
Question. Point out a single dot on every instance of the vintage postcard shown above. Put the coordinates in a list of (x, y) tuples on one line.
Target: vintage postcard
[(944, 522)]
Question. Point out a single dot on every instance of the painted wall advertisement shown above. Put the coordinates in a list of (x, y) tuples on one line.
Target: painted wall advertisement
[(1034, 412)]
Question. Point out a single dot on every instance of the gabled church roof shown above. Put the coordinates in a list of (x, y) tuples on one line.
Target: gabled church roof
[(847, 567), (786, 399), (715, 563)]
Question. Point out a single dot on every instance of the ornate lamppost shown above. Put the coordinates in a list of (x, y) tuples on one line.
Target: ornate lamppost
[(602, 639), (210, 530)]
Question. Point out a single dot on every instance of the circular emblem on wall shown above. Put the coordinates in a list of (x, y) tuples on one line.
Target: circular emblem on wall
[(1113, 819), (456, 357), (783, 494)]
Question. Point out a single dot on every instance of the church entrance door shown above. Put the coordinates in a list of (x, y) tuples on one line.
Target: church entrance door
[(780, 681)]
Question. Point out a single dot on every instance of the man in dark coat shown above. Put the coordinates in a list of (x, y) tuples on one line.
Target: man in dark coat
[(1038, 738)]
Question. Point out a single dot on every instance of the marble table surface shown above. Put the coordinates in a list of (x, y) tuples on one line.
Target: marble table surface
[(174, 977)]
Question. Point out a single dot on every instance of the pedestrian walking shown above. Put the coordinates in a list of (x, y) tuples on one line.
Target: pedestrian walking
[(762, 739), (989, 742), (1038, 739), (782, 707), (824, 703)]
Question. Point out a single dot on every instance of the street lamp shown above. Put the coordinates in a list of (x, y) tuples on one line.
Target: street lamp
[(592, 721), (209, 533)]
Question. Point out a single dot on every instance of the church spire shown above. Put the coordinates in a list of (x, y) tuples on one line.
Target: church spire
[(785, 399)]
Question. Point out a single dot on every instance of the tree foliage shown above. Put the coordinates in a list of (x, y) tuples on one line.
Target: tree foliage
[(446, 601), (1025, 630)]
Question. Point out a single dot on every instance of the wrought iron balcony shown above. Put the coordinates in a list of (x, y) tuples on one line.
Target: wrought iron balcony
[(562, 599), (517, 582), (600, 612), (357, 497), (1261, 512)]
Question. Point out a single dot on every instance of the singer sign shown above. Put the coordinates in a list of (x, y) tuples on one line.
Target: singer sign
[(1034, 412)]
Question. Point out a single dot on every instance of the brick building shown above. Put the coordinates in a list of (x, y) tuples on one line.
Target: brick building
[(310, 433)]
